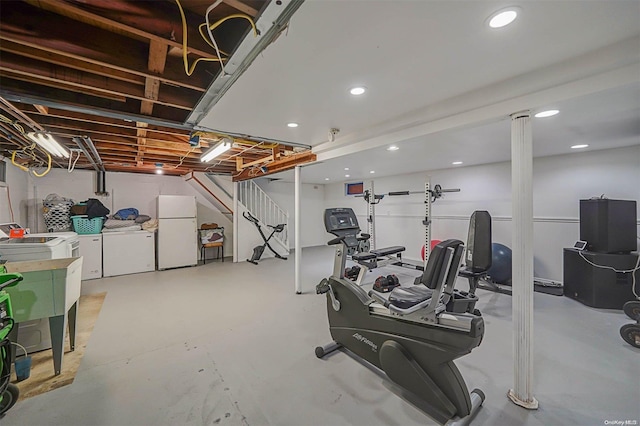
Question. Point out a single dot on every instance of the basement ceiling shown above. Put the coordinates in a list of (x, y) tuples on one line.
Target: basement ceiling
[(112, 74)]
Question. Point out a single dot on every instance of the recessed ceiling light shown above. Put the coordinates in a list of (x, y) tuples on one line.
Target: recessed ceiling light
[(548, 113), (326, 178), (503, 18), (346, 175), (393, 148), (372, 171), (292, 124), (346, 168), (456, 163), (159, 171), (359, 90), (579, 146)]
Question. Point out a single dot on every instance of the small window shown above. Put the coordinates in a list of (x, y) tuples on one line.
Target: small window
[(356, 188), (3, 171)]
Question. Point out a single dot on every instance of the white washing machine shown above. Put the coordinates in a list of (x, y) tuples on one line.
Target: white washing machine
[(35, 335)]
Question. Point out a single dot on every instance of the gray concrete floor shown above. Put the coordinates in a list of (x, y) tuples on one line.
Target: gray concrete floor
[(226, 343)]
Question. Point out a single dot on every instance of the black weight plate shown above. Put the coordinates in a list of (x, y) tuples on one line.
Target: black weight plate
[(631, 334), (632, 309)]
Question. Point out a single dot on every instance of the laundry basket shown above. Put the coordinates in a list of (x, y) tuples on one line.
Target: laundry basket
[(85, 226), (55, 210)]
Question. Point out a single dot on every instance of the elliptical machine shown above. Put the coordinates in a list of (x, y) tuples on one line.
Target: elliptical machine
[(8, 391), (413, 337), (259, 250)]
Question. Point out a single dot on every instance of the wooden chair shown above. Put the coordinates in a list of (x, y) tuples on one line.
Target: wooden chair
[(211, 235)]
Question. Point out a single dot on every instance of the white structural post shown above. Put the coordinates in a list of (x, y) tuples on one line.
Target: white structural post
[(297, 214), (236, 212), (522, 242), (371, 216)]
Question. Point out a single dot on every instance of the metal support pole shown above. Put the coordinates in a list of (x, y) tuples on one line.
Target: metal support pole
[(298, 226), (236, 212), (522, 241), (371, 216), (427, 221)]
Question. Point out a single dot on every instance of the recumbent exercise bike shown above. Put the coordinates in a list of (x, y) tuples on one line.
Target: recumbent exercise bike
[(415, 335)]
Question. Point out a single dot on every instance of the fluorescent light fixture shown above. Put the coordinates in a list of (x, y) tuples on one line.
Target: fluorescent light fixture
[(372, 171), (548, 113), (579, 146), (359, 90), (292, 124), (457, 163), (47, 142), (346, 175), (503, 17), (393, 148), (223, 146)]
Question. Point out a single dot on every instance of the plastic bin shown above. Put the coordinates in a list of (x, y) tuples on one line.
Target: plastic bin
[(85, 226)]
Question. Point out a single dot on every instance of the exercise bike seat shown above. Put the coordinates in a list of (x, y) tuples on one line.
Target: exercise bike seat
[(406, 297)]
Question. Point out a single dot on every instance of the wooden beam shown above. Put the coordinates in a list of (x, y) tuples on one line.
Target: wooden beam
[(42, 109), (285, 163), (58, 59), (244, 8), (155, 63), (75, 13), (70, 79)]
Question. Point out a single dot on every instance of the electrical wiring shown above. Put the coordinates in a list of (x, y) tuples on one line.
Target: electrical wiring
[(71, 167), (47, 170), (189, 69), (211, 41), (620, 271), (185, 156)]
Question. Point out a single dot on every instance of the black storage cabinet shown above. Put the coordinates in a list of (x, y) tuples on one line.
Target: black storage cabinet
[(597, 287)]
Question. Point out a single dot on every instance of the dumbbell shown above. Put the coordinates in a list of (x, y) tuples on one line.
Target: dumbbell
[(631, 332), (352, 273), (386, 284)]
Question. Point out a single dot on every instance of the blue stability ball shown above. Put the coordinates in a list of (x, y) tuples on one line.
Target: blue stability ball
[(500, 270)]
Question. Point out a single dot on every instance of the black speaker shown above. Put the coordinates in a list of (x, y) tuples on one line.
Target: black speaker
[(478, 257), (608, 226), (588, 279)]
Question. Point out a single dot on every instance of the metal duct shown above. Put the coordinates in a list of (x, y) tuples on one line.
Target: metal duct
[(101, 183)]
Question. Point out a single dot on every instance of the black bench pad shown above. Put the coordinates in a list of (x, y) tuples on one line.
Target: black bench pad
[(387, 251)]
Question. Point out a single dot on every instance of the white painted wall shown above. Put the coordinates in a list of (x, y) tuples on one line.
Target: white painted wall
[(16, 188), (312, 209), (559, 183), (125, 190)]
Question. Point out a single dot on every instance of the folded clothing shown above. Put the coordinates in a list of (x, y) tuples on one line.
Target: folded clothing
[(126, 214), (142, 218), (116, 224)]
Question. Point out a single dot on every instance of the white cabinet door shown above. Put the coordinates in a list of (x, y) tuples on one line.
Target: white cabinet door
[(177, 243), (91, 252)]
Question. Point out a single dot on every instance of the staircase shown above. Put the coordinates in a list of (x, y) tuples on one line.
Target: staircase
[(261, 206)]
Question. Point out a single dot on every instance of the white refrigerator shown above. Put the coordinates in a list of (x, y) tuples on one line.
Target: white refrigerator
[(177, 231)]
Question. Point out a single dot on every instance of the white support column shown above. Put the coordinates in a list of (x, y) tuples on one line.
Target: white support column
[(371, 217), (522, 242), (298, 244), (236, 212)]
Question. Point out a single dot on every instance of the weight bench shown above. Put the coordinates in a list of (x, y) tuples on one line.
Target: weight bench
[(376, 259)]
